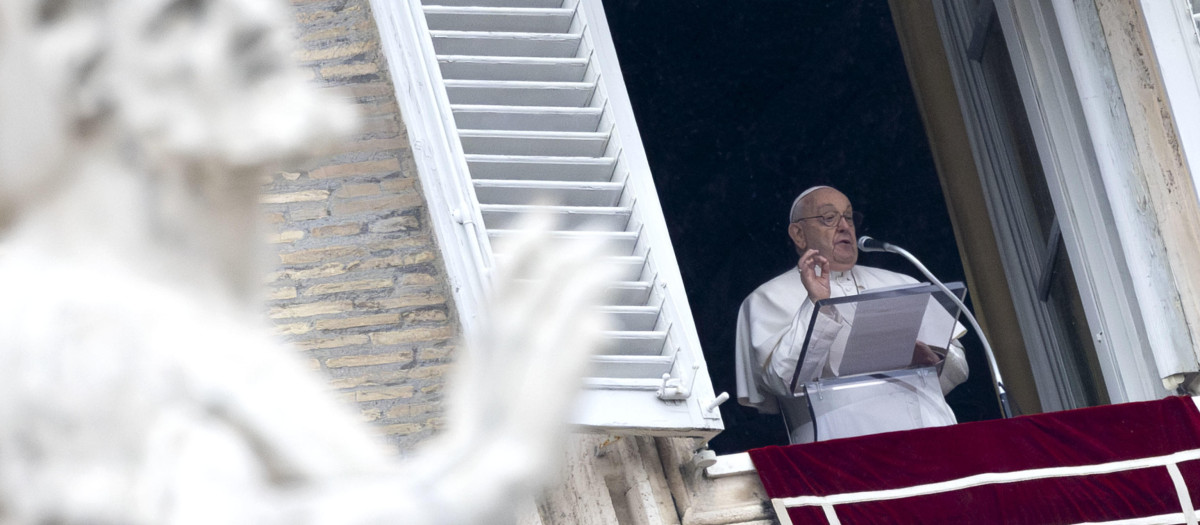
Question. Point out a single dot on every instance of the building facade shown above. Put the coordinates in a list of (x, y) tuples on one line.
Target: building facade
[(1064, 134)]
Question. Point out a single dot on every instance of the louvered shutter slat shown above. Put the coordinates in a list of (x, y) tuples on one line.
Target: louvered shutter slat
[(483, 43), (524, 118), (519, 167), (556, 144), (513, 68), (632, 367), (621, 242), (633, 317), (565, 193), (499, 19), (571, 217), (636, 342), (542, 124), (494, 3), (514, 93), (628, 293)]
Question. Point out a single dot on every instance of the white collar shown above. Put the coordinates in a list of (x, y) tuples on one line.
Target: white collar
[(841, 275)]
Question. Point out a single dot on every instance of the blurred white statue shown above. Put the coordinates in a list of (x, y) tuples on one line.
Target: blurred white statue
[(136, 382)]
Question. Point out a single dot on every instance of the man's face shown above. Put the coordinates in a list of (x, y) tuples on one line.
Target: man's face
[(837, 242)]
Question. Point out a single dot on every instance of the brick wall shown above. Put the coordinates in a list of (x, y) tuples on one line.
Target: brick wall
[(360, 285)]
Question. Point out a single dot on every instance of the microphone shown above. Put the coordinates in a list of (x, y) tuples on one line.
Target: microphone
[(868, 244)]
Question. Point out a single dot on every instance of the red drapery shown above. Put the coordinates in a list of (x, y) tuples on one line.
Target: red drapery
[(1110, 463)]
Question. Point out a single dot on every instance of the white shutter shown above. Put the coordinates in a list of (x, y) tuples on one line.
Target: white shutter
[(1195, 11), (510, 103)]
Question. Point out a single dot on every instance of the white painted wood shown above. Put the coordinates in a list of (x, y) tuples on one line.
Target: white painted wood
[(520, 93), (621, 242), (483, 43), (1012, 223), (527, 118), (496, 3), (623, 410), (1086, 203), (622, 383), (567, 217), (731, 465), (635, 342), (631, 268), (1140, 335), (527, 92), (461, 67), (690, 370), (564, 193), (628, 293), (1012, 232), (633, 317), (1092, 174), (516, 142), (499, 19), (437, 152), (632, 367), (514, 167), (627, 268)]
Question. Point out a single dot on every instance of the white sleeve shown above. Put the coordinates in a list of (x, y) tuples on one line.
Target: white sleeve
[(783, 357), (772, 323), (954, 369)]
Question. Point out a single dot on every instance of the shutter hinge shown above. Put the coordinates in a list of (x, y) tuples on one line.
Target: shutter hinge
[(711, 409), (461, 217), (672, 389)]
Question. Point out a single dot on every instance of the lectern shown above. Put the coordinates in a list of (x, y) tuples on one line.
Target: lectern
[(854, 368)]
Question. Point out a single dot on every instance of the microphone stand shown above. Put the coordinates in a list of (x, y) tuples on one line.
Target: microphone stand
[(997, 382)]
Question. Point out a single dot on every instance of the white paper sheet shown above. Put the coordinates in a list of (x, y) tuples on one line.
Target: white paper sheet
[(938, 326), (883, 334)]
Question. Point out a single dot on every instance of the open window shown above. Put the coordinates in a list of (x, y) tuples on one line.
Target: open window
[(1022, 208)]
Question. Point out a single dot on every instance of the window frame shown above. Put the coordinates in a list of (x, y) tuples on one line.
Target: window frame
[(1081, 186)]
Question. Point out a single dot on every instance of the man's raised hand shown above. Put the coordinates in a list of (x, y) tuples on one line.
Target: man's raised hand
[(817, 283)]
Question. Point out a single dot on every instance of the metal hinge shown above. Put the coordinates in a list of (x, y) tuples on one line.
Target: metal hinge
[(672, 388), (710, 411)]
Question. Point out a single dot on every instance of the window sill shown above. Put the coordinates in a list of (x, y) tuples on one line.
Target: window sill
[(730, 465)]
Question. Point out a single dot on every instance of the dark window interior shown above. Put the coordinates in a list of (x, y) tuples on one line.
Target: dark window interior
[(743, 104)]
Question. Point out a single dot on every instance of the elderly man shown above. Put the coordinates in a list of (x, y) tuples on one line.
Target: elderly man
[(773, 320)]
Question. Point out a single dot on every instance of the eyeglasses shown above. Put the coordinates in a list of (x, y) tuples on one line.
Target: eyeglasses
[(831, 219)]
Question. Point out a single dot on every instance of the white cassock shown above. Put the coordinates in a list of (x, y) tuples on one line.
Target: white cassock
[(770, 335)]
